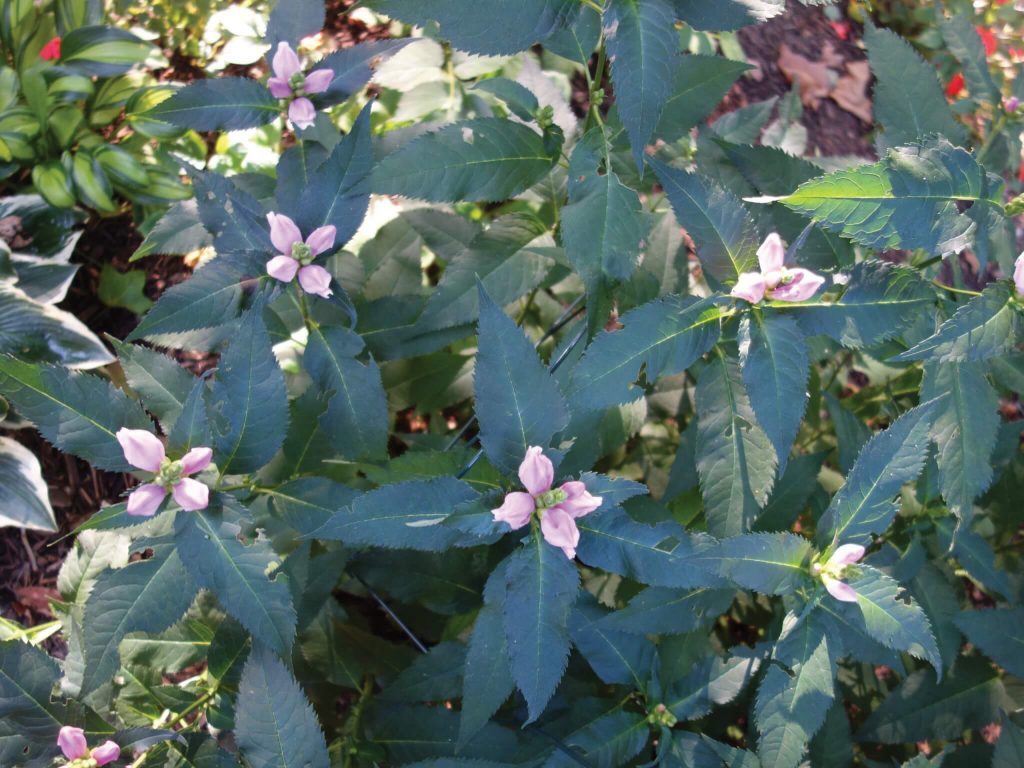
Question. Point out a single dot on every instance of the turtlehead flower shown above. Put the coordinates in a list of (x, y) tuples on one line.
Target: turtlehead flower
[(1018, 275), (557, 509), (775, 280), (144, 450), (1012, 104), (831, 572), (289, 82), (50, 51), (296, 257), (72, 743)]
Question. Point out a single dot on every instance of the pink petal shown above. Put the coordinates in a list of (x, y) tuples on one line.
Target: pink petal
[(286, 61), (839, 590), (1018, 274), (145, 500), (71, 741), (279, 88), (316, 280), (196, 460), (845, 555), (318, 81), (578, 500), (282, 268), (191, 495), (801, 287), (750, 286), (302, 112), (536, 472), (284, 233), (771, 254), (560, 530), (107, 752), (141, 448), (516, 510), (321, 239)]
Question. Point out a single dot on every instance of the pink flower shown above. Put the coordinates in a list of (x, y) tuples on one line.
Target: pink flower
[(1018, 274), (296, 256), (775, 280), (71, 741), (107, 752), (289, 82), (144, 450), (831, 573), (557, 509)]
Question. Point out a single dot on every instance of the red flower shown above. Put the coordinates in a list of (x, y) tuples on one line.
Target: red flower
[(955, 85), (51, 51), (989, 39), (841, 28)]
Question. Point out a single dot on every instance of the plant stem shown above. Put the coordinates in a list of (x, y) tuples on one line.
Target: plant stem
[(951, 289), (352, 725)]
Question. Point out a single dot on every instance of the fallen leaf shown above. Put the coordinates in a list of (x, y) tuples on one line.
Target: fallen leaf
[(37, 599), (851, 91), (815, 78)]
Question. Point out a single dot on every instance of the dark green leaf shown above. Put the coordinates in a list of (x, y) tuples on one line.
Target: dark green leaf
[(770, 563), (210, 298), (965, 44), (658, 611), (616, 657), (434, 676), (162, 384), (292, 20), (219, 104), (354, 66), (27, 675), (713, 682), (488, 677), (999, 633), (725, 15), (701, 82)]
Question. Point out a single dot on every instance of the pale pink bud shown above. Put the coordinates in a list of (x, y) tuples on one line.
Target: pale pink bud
[(279, 88), (196, 460), (803, 284), (1018, 274), (302, 112), (578, 500), (286, 61), (284, 233), (282, 268), (1012, 104), (107, 752), (141, 448), (321, 239), (536, 472), (145, 500), (840, 590), (318, 81), (847, 554), (516, 510), (191, 495), (316, 280), (560, 530), (72, 743), (771, 254), (750, 286)]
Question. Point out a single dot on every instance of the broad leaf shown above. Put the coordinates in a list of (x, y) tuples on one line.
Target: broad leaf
[(614, 738), (433, 676), (219, 104), (616, 657), (999, 633), (27, 675), (542, 586), (660, 611), (713, 682), (292, 20), (232, 214), (275, 726), (965, 44), (700, 84), (26, 498), (770, 563), (487, 680), (487, 159), (735, 458), (518, 402), (161, 383), (78, 413)]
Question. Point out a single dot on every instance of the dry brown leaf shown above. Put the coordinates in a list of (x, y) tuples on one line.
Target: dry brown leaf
[(851, 92), (831, 57), (815, 78)]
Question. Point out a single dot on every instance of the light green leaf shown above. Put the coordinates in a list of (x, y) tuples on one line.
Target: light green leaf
[(770, 563)]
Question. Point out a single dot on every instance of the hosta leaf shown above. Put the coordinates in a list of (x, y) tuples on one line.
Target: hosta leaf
[(966, 45), (542, 586), (248, 403), (864, 505), (401, 516), (487, 681), (161, 383), (999, 633), (770, 563), (910, 199), (713, 682), (722, 229), (518, 402), (236, 573), (965, 428), (660, 611), (27, 675), (773, 356), (735, 458), (726, 14), (78, 413), (26, 498), (885, 613), (357, 413), (209, 299), (908, 99), (921, 708), (146, 596), (700, 84), (643, 48), (487, 159), (275, 726), (984, 327), (219, 104), (604, 226), (664, 337), (616, 657)]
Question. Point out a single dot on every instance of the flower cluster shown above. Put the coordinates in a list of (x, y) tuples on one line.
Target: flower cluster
[(296, 256), (557, 509), (289, 82), (775, 280), (831, 572), (72, 743), (144, 450)]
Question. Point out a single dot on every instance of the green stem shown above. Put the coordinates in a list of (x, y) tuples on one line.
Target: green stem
[(951, 289), (592, 4), (352, 726)]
